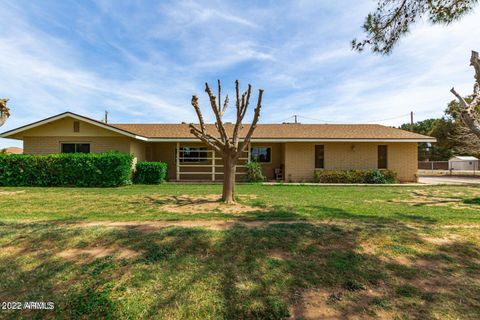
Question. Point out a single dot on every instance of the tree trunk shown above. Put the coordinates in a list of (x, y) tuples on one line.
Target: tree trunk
[(229, 169)]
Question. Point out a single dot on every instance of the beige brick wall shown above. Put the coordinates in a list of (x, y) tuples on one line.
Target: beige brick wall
[(48, 145), (300, 158), (138, 149)]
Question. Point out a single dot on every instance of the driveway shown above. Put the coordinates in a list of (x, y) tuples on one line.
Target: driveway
[(449, 180)]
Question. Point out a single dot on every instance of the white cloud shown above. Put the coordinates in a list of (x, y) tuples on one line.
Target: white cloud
[(143, 61)]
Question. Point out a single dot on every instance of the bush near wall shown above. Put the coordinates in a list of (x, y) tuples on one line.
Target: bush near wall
[(356, 176), (150, 172), (109, 169), (254, 172)]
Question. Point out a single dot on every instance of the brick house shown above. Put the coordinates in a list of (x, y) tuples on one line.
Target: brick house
[(295, 150)]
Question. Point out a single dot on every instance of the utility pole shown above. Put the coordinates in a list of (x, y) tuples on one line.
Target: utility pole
[(411, 121)]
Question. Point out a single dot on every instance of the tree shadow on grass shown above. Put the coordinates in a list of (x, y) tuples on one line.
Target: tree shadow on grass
[(270, 272), (341, 214)]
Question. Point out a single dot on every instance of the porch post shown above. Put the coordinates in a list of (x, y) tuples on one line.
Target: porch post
[(213, 164), (178, 161)]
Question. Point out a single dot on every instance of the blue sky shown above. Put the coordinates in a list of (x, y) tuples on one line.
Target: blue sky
[(142, 60)]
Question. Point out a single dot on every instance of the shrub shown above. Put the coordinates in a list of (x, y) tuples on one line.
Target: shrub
[(109, 169), (374, 177), (356, 176), (254, 172), (390, 176), (150, 172)]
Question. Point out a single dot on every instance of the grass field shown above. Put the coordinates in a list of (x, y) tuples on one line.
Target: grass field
[(305, 252)]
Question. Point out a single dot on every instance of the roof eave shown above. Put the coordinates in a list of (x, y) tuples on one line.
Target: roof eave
[(8, 134), (415, 140)]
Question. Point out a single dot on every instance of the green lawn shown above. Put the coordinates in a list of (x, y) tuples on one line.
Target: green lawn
[(338, 252)]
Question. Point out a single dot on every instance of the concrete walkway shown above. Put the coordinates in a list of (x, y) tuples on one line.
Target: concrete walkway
[(454, 180)]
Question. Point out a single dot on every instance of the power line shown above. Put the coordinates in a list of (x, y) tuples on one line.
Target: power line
[(329, 121)]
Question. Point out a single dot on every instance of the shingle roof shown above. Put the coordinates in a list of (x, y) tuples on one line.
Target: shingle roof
[(13, 150), (286, 132), (279, 131)]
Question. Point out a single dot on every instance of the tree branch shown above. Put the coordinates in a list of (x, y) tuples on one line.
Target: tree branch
[(199, 112), (256, 116), (468, 114), (213, 103), (4, 111), (462, 101), (207, 138), (241, 110)]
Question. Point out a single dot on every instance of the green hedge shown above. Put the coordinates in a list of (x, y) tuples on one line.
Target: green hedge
[(356, 176), (150, 172), (109, 169)]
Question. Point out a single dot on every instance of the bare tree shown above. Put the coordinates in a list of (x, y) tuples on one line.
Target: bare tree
[(469, 111), (230, 148), (4, 111)]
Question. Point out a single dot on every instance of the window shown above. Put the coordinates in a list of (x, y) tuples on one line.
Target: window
[(382, 157), (193, 154), (261, 154), (76, 126), (319, 156), (75, 148)]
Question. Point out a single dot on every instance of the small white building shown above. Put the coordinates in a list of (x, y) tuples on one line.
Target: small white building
[(467, 163)]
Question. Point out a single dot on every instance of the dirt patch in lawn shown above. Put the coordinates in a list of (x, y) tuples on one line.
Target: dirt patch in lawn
[(150, 226), (338, 303), (316, 304), (11, 193), (438, 198), (279, 255), (198, 204), (447, 239), (85, 255)]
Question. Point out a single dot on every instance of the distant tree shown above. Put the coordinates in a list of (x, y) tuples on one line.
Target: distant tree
[(392, 19), (466, 143), (442, 129), (4, 111), (230, 148)]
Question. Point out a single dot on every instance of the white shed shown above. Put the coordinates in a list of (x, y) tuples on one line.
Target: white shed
[(467, 163)]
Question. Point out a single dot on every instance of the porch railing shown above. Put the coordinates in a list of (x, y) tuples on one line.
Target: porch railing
[(216, 168)]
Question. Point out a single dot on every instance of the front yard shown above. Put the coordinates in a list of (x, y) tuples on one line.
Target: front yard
[(171, 252)]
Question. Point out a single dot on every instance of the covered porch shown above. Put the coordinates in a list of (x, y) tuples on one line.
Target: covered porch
[(194, 161)]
